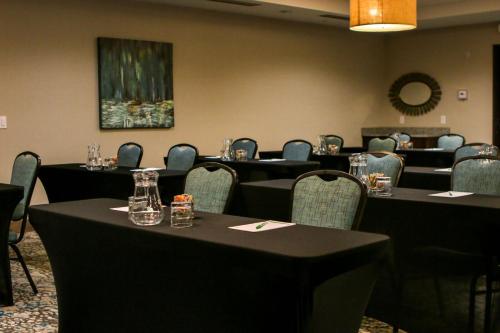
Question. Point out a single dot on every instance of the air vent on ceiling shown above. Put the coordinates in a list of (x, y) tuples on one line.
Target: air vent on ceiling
[(335, 17), (237, 2)]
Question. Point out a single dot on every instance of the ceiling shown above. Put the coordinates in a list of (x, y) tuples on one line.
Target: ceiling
[(431, 13)]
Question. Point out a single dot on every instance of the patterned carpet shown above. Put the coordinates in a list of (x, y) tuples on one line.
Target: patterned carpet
[(39, 313)]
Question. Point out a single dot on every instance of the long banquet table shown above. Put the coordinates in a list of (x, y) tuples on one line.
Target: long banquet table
[(427, 178), (413, 219), (111, 275), (10, 196), (66, 182)]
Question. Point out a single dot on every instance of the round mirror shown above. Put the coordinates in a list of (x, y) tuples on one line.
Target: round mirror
[(415, 94)]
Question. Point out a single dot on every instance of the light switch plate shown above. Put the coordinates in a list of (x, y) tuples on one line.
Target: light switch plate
[(3, 121), (401, 119), (443, 120)]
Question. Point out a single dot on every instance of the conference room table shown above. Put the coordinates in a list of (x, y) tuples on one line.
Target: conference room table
[(413, 219), (114, 276), (253, 170), (10, 195), (67, 182), (427, 178)]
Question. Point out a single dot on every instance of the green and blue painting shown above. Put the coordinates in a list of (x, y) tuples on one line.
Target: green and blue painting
[(135, 84)]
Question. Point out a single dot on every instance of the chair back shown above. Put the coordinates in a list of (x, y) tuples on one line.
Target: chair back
[(402, 136), (24, 173), (211, 185), (390, 164), (450, 141), (250, 145), (477, 174), (472, 149), (130, 155), (379, 144), (331, 139), (328, 198), (181, 157), (297, 150)]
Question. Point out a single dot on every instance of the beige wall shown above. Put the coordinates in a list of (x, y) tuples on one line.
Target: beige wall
[(233, 76), (458, 58)]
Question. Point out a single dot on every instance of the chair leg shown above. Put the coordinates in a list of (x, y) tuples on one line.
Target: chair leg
[(472, 304), (437, 288), (25, 268), (487, 308)]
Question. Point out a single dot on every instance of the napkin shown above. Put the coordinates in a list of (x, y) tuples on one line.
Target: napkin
[(212, 157), (147, 169), (443, 170), (121, 209), (451, 194), (272, 160), (262, 226), (433, 148)]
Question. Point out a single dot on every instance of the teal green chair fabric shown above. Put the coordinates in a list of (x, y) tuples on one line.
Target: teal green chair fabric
[(297, 150), (450, 141), (181, 157), (405, 137), (247, 144), (378, 144), (24, 173), (211, 185), (473, 149), (332, 203), (334, 140), (391, 165), (477, 174), (130, 155)]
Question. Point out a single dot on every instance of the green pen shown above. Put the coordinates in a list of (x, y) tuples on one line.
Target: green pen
[(260, 225)]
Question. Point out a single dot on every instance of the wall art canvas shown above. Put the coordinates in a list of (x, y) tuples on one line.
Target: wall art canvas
[(135, 84)]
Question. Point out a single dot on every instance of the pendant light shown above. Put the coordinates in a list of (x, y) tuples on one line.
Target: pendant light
[(383, 15)]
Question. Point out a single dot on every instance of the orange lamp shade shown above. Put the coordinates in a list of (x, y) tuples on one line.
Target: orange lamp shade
[(383, 15)]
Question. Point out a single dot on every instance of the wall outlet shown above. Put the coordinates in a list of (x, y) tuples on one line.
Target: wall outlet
[(401, 119), (443, 120), (3, 121)]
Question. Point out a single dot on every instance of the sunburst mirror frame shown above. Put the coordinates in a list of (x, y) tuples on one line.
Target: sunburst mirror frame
[(420, 109)]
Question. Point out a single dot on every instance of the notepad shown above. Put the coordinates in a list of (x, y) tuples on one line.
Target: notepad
[(147, 169), (433, 148), (214, 157), (443, 170), (451, 194), (120, 209), (272, 160), (262, 226)]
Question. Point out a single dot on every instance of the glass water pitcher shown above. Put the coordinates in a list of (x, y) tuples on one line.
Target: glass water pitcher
[(322, 145), (227, 150), (359, 167), (146, 208), (94, 161)]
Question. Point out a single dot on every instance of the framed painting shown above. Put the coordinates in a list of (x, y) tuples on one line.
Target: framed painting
[(135, 84)]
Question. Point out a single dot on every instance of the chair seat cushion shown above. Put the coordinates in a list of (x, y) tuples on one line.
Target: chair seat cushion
[(12, 236)]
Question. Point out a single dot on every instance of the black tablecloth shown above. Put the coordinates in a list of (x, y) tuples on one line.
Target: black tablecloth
[(9, 198), (253, 170), (66, 182), (425, 178), (111, 275)]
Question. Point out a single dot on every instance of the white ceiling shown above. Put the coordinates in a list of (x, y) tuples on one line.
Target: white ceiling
[(431, 13)]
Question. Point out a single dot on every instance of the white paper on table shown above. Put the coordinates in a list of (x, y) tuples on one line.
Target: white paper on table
[(433, 148), (266, 225), (121, 209), (212, 156), (443, 170), (273, 160), (451, 194), (147, 169)]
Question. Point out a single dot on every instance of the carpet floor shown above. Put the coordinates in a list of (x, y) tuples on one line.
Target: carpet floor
[(38, 313)]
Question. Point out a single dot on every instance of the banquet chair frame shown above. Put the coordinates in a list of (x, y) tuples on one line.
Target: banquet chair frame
[(452, 134), (141, 151), (302, 141), (474, 144), (380, 154), (383, 138), (183, 145)]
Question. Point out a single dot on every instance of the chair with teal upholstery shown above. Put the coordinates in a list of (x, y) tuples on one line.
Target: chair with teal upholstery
[(130, 155), (331, 139), (402, 136), (181, 157), (328, 198), (297, 150), (379, 144), (211, 185), (450, 141), (250, 145), (24, 173), (390, 164), (473, 149), (477, 174)]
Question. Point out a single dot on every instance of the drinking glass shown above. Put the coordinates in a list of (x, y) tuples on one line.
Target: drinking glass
[(241, 155), (383, 187), (181, 214)]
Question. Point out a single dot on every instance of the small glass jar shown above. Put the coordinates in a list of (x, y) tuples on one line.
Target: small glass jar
[(241, 154), (181, 214), (383, 187), (333, 149)]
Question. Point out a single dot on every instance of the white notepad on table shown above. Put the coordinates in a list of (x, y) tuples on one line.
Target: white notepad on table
[(273, 160), (443, 170), (148, 169), (120, 209), (451, 194), (262, 226)]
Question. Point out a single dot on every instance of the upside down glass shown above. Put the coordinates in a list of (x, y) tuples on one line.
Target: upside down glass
[(145, 208)]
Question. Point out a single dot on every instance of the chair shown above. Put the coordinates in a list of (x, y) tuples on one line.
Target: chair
[(331, 139), (379, 144), (24, 173), (450, 141), (390, 164), (328, 198), (472, 149), (130, 155), (250, 145), (211, 185), (297, 150), (181, 157), (402, 136)]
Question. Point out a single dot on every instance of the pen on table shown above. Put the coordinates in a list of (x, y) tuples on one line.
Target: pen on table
[(260, 225), (450, 194)]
